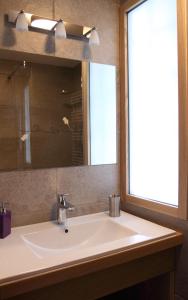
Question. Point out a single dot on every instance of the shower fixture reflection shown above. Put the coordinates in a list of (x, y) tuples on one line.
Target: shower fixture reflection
[(22, 64), (66, 122)]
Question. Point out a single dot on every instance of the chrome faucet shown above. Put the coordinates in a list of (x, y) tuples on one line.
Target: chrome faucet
[(63, 206)]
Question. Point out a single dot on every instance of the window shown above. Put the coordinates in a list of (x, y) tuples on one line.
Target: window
[(154, 123), (153, 101)]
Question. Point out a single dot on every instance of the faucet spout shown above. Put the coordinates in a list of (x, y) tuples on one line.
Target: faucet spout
[(63, 206)]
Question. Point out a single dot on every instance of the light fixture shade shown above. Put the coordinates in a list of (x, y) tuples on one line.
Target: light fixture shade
[(22, 22), (94, 38), (60, 31)]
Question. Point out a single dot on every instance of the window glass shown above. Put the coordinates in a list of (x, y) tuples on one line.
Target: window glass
[(153, 101)]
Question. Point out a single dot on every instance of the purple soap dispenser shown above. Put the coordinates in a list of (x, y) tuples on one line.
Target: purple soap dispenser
[(5, 221)]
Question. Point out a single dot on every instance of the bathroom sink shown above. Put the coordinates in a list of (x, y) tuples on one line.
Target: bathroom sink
[(90, 234), (43, 246), (79, 235)]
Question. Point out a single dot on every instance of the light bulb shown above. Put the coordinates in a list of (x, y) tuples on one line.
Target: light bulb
[(22, 22), (60, 31), (94, 38), (43, 24)]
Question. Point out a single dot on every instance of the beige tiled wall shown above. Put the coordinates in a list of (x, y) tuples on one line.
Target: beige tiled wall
[(100, 13), (32, 194), (88, 187)]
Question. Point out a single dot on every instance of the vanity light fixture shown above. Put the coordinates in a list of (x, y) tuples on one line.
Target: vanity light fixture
[(94, 37), (25, 21), (51, 25), (22, 21), (60, 31)]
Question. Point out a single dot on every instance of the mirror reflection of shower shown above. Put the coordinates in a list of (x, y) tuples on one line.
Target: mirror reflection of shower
[(20, 65), (66, 122), (27, 126), (42, 113), (26, 130), (25, 133)]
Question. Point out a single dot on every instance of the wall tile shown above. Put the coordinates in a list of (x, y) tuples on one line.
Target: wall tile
[(102, 14), (91, 185), (87, 208), (30, 194), (45, 8)]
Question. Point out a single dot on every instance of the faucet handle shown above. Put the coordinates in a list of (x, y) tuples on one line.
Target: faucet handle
[(70, 207), (64, 202), (62, 198), (63, 195)]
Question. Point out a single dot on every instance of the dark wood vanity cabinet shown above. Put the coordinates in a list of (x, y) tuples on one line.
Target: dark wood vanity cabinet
[(149, 269)]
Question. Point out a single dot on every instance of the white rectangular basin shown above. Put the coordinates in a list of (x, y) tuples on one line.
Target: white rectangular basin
[(41, 246), (54, 240)]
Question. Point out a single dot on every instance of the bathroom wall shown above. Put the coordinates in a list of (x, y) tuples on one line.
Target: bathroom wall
[(100, 13), (32, 194)]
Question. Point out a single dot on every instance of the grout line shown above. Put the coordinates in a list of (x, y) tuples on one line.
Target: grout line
[(53, 9), (56, 182)]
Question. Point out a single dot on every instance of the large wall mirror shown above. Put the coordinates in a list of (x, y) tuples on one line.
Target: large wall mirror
[(55, 112)]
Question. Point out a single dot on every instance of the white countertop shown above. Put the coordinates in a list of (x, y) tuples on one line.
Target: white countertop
[(38, 247)]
